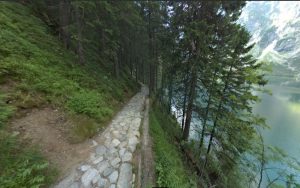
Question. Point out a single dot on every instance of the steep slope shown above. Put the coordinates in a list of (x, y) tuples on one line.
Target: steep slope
[(275, 27), (37, 72)]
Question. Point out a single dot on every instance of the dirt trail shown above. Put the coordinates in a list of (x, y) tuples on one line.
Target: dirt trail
[(45, 128), (110, 162)]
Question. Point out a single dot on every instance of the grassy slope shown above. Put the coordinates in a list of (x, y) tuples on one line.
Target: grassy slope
[(170, 169), (38, 71)]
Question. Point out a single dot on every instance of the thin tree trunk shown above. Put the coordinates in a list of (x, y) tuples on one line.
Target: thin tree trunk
[(184, 103), (170, 94), (79, 35), (217, 117), (100, 31), (262, 162), (64, 21), (206, 112), (189, 110), (150, 53), (211, 137), (143, 72), (204, 122), (117, 63), (136, 68), (213, 131)]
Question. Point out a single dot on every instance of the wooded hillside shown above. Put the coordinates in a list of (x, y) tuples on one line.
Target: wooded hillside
[(88, 57)]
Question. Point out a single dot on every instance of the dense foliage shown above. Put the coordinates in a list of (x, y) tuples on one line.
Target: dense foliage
[(210, 79), (193, 55), (36, 70)]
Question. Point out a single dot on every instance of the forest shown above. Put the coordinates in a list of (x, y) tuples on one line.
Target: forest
[(88, 58)]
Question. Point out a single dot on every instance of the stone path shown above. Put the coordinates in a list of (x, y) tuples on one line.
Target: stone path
[(110, 163)]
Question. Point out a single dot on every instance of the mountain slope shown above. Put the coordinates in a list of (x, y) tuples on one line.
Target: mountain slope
[(37, 72), (275, 27)]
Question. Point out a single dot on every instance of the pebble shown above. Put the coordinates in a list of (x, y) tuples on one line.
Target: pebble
[(88, 176), (115, 162), (123, 144), (127, 157), (100, 150), (94, 143), (113, 177), (96, 179), (84, 168), (102, 166), (102, 183), (122, 151), (115, 142), (125, 176), (98, 160), (107, 171)]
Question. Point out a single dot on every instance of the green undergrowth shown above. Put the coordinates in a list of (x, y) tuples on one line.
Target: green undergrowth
[(42, 72), (169, 166), (37, 71), (20, 165)]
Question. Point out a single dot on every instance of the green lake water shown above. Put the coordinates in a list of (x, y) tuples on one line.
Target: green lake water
[(282, 112)]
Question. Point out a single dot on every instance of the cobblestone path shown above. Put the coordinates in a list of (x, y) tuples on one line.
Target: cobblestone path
[(110, 163)]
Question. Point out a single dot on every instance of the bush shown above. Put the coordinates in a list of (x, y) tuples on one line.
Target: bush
[(90, 103), (85, 127)]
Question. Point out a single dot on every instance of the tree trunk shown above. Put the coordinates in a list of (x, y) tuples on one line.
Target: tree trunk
[(64, 21), (213, 130), (143, 72), (262, 162), (79, 35), (206, 112), (151, 56), (217, 116), (184, 103), (170, 94), (189, 110), (117, 63), (136, 69)]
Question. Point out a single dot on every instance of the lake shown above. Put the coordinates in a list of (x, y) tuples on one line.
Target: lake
[(282, 113)]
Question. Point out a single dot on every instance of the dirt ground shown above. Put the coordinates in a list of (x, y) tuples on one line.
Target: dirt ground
[(46, 128)]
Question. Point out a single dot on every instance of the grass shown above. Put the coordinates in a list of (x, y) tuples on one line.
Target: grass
[(22, 166), (39, 72), (46, 73), (169, 167), (84, 127), (37, 61)]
